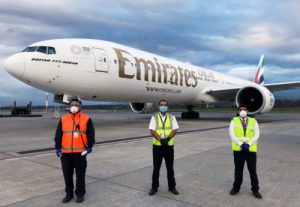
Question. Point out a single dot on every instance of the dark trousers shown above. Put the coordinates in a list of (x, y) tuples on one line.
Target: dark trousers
[(71, 161), (159, 153), (239, 162)]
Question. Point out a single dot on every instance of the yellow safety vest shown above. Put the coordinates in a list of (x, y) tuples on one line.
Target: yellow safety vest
[(163, 128), (240, 132)]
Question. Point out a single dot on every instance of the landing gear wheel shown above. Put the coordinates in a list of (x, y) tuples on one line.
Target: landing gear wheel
[(190, 115)]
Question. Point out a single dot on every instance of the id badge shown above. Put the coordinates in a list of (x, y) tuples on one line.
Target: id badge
[(162, 135), (75, 134)]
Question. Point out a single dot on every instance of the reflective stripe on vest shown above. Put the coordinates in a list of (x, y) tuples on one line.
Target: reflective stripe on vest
[(74, 139), (73, 148), (163, 128), (72, 131), (240, 133)]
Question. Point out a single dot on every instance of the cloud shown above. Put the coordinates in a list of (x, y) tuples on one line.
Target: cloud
[(267, 36), (272, 75), (227, 36)]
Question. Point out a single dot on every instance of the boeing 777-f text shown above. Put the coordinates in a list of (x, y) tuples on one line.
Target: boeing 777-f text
[(99, 70)]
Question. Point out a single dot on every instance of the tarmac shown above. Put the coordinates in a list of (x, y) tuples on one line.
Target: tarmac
[(120, 166)]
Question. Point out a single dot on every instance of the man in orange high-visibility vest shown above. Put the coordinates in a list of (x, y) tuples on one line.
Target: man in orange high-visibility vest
[(74, 139)]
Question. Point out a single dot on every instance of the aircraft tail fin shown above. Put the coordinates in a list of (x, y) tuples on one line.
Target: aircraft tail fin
[(259, 76)]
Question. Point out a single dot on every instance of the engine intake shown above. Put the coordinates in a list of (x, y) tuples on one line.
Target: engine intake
[(257, 99), (143, 108)]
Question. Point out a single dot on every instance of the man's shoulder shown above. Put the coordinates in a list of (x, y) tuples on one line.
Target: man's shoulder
[(251, 118), (235, 118), (158, 115), (65, 116), (85, 115), (155, 115)]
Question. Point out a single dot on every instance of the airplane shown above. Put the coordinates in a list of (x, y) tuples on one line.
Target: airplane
[(99, 70)]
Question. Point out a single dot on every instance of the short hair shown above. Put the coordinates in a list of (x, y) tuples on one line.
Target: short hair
[(242, 106), (74, 99), (163, 100)]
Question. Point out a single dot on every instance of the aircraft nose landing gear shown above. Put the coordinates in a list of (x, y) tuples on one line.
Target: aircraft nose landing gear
[(190, 114)]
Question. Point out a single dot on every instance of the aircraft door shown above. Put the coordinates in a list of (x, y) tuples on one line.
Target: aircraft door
[(101, 60)]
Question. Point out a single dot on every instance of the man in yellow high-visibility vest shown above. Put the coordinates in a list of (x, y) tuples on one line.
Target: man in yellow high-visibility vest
[(163, 127), (244, 133)]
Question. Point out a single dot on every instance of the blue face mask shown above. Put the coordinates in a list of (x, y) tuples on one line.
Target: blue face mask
[(163, 109)]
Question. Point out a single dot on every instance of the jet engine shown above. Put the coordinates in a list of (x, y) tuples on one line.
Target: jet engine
[(257, 99), (143, 108)]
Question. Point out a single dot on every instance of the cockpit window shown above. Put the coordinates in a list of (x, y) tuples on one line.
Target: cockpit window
[(42, 49), (30, 49), (51, 50)]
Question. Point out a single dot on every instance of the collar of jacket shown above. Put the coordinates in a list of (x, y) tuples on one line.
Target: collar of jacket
[(78, 114)]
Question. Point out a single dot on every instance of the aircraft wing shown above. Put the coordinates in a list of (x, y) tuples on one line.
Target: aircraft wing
[(224, 94), (282, 86), (228, 94)]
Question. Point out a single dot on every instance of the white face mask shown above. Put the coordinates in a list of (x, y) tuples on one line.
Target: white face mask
[(243, 113), (74, 109)]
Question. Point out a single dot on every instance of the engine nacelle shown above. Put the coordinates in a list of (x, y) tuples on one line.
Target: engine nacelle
[(143, 108), (257, 99)]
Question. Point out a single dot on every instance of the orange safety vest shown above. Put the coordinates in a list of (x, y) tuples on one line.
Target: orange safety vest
[(74, 139)]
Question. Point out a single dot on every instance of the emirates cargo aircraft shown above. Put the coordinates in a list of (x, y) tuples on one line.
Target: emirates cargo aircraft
[(98, 70)]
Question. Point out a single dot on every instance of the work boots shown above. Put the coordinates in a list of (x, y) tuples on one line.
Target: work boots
[(67, 198)]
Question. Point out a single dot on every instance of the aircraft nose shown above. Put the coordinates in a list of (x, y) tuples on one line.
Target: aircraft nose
[(15, 65)]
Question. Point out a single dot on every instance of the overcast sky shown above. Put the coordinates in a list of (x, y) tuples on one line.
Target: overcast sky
[(227, 36)]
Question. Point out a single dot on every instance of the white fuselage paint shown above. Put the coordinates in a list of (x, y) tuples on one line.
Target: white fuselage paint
[(105, 71)]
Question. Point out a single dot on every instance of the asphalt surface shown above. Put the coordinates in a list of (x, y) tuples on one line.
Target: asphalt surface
[(120, 166)]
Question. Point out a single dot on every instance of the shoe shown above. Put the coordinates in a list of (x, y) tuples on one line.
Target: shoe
[(67, 198), (79, 199), (152, 191), (234, 191), (174, 191), (257, 195)]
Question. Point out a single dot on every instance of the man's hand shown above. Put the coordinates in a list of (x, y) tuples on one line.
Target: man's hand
[(88, 149), (245, 147), (164, 142), (58, 152)]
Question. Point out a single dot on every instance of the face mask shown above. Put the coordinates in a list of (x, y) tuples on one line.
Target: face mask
[(74, 109), (243, 113), (163, 109)]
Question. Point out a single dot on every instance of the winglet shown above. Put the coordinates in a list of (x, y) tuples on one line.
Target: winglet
[(259, 76)]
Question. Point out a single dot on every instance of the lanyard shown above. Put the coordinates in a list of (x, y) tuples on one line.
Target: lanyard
[(244, 124), (163, 122), (77, 127), (76, 124)]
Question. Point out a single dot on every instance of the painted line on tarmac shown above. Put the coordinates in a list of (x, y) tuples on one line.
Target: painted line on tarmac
[(24, 157), (122, 140), (45, 151)]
